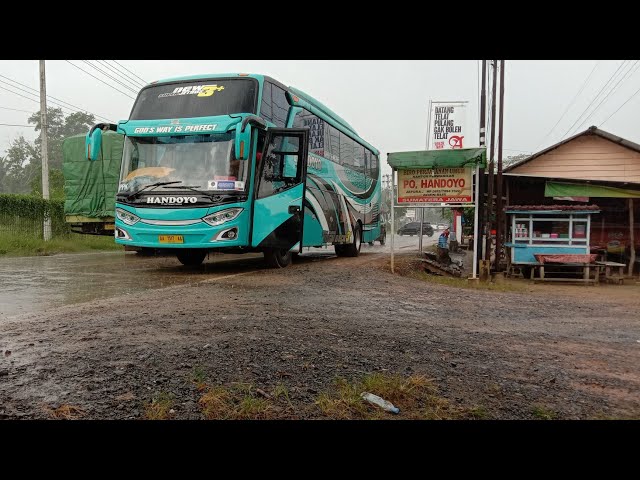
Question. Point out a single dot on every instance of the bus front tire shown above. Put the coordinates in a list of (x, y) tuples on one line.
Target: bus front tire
[(191, 258), (277, 257)]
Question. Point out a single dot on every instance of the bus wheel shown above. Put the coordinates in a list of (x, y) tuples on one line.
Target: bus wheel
[(277, 257), (371, 243), (191, 258), (382, 240), (353, 249)]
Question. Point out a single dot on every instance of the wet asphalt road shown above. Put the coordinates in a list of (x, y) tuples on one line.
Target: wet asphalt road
[(34, 284)]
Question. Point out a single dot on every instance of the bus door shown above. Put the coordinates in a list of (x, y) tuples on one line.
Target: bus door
[(280, 185)]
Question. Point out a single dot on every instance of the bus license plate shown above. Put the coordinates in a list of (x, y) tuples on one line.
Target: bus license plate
[(170, 239)]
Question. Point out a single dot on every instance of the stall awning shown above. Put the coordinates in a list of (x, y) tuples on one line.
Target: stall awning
[(460, 157), (558, 189)]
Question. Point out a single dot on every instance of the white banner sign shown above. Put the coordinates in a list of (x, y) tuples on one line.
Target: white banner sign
[(447, 126)]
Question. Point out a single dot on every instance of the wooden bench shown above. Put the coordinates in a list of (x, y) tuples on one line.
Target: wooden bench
[(586, 276), (613, 278), (609, 265)]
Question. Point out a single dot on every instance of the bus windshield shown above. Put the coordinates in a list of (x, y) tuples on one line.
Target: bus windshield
[(205, 162), (190, 99)]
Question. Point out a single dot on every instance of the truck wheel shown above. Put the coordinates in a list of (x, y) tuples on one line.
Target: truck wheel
[(277, 257), (191, 258)]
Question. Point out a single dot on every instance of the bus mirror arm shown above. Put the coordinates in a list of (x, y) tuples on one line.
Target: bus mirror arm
[(104, 126), (253, 120), (243, 135)]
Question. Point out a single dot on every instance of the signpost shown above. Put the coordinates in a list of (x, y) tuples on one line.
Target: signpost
[(447, 126), (436, 179)]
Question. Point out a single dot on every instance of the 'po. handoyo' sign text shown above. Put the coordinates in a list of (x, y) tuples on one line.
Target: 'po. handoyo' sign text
[(435, 185)]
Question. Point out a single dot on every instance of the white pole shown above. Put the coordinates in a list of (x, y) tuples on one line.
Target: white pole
[(393, 214), (45, 160), (429, 126), (475, 223), (421, 222)]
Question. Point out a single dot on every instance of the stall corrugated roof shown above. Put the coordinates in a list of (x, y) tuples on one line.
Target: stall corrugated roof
[(455, 158)]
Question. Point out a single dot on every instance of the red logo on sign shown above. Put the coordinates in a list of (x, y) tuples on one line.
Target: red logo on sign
[(455, 141)]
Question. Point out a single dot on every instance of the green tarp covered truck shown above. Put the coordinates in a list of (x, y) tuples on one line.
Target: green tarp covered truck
[(90, 187)]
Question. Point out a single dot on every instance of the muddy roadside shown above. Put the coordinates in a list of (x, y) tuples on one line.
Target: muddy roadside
[(509, 355)]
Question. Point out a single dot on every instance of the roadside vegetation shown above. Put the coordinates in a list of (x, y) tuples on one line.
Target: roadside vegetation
[(20, 245), (415, 396)]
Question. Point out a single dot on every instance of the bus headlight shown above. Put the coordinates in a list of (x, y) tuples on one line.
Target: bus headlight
[(127, 217), (222, 216)]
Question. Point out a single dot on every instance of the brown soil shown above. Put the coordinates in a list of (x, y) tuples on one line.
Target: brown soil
[(571, 350)]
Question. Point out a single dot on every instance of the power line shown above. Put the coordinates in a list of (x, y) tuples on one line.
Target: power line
[(16, 109), (50, 97), (607, 119), (25, 91), (15, 125), (143, 80), (124, 76), (594, 99), (110, 76), (33, 100), (110, 86), (62, 107), (570, 104), (613, 89)]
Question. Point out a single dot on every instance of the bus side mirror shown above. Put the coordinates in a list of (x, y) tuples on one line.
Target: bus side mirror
[(93, 143), (243, 142)]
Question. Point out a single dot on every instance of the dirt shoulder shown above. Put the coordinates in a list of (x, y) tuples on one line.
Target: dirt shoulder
[(512, 355)]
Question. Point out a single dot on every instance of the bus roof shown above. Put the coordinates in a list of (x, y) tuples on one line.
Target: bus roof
[(304, 96)]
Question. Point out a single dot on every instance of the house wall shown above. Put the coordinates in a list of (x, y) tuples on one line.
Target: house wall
[(588, 157)]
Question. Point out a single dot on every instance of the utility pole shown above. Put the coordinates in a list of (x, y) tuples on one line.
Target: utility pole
[(491, 165), (43, 145), (499, 204), (482, 212)]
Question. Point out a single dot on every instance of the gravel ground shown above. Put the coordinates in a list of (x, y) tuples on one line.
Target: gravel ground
[(570, 351)]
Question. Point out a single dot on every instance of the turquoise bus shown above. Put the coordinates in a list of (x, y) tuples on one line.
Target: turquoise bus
[(239, 163)]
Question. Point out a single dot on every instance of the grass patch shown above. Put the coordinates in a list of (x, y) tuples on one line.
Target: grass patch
[(238, 402), (479, 413), (416, 397), (65, 412), (17, 245), (543, 413), (160, 407), (199, 377)]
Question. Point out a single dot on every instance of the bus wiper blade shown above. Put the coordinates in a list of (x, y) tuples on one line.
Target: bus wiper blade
[(147, 187)]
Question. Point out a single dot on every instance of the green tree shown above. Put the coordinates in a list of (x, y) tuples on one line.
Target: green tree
[(59, 128), (19, 166)]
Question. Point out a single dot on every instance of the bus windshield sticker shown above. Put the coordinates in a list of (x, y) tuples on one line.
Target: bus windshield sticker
[(226, 184), (230, 184), (199, 90)]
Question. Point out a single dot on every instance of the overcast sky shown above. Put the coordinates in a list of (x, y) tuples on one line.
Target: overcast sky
[(385, 101)]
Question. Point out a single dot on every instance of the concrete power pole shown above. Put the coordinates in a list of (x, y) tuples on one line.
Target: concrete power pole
[(45, 160), (489, 246), (500, 223)]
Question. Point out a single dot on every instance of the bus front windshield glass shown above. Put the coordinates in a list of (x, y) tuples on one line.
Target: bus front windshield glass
[(202, 162)]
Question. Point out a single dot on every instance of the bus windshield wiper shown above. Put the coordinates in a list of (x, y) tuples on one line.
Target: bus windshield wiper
[(147, 187)]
